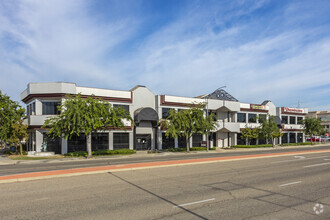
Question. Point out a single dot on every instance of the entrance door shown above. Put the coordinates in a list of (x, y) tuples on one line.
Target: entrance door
[(143, 142)]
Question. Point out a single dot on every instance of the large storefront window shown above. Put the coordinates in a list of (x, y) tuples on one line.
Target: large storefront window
[(182, 142), (285, 138), (240, 139), (252, 118), (197, 140), (284, 119), (100, 141), (292, 120), (167, 142), (241, 117), (77, 143), (292, 137), (300, 138), (51, 144), (120, 141), (50, 108)]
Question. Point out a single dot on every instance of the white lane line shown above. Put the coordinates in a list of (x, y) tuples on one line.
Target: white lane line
[(290, 183), (281, 161), (316, 165), (192, 203), (299, 157)]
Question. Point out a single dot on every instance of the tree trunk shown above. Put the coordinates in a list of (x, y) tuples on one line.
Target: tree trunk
[(187, 144), (89, 145), (273, 142), (21, 149)]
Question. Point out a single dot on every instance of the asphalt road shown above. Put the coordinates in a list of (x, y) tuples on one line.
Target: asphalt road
[(36, 166), (285, 187)]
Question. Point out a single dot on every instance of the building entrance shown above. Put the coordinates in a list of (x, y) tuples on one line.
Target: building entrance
[(143, 142)]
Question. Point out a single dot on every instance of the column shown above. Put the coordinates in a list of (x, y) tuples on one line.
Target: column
[(64, 145), (131, 140), (160, 139), (110, 140), (39, 140), (190, 142), (176, 143), (235, 139)]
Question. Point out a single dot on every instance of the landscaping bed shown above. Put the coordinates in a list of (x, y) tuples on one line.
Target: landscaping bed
[(183, 149), (252, 146), (101, 153)]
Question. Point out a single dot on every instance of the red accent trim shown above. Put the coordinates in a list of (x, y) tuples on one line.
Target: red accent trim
[(291, 113), (63, 95), (253, 110), (34, 127)]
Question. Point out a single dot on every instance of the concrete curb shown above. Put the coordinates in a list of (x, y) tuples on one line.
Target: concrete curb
[(138, 166)]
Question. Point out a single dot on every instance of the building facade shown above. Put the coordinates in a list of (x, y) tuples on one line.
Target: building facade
[(325, 119), (147, 109)]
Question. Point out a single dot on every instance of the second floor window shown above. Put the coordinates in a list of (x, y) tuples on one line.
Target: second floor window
[(50, 108), (126, 107), (300, 120), (284, 119), (165, 112), (292, 120), (241, 117), (252, 118)]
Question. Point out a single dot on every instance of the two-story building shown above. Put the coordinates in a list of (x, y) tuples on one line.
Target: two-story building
[(146, 109)]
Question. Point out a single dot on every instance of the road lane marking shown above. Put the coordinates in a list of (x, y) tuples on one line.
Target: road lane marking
[(316, 165), (290, 183), (299, 157), (310, 158), (192, 203)]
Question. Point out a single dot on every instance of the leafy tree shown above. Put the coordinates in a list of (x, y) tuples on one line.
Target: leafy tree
[(312, 127), (187, 122), (269, 129), (78, 115), (10, 113), (250, 133), (18, 134)]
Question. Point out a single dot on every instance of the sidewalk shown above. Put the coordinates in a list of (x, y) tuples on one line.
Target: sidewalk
[(6, 161)]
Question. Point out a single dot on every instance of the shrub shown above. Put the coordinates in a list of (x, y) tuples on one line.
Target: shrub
[(252, 146), (184, 149), (77, 154), (296, 144)]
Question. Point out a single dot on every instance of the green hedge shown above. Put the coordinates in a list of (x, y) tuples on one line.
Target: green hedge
[(11, 152), (101, 153), (183, 149), (296, 144), (252, 146)]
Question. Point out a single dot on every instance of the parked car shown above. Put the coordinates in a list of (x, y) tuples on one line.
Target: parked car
[(325, 138), (315, 139)]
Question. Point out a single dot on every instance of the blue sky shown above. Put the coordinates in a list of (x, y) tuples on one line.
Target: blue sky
[(261, 50)]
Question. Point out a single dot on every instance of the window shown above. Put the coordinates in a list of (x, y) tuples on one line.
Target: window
[(167, 142), (262, 117), (100, 141), (165, 112), (52, 144), (252, 118), (300, 137), (214, 117), (120, 141), (292, 138), (182, 142), (241, 117), (240, 139), (285, 120), (77, 143), (50, 108), (126, 107), (285, 138), (292, 120), (31, 109), (299, 120), (197, 140)]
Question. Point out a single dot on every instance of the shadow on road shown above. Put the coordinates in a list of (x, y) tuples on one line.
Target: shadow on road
[(162, 198)]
